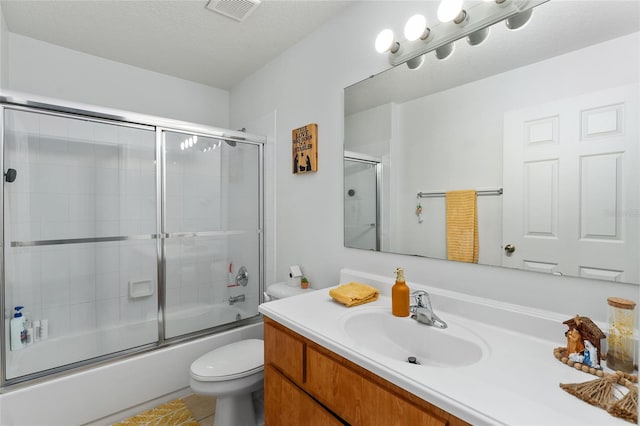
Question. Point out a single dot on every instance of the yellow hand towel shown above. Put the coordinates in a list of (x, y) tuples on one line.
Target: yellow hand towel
[(462, 226), (354, 294)]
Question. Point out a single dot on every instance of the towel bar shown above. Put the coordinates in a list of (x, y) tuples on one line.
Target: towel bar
[(442, 194)]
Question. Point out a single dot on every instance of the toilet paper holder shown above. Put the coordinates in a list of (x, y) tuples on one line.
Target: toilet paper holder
[(295, 275)]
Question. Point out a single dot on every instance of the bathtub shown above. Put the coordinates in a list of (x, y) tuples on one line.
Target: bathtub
[(181, 320), (106, 393)]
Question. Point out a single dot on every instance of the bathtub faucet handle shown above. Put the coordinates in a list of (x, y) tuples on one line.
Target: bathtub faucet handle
[(243, 276)]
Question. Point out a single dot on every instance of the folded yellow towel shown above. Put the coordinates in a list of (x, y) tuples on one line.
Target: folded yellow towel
[(354, 294), (462, 226)]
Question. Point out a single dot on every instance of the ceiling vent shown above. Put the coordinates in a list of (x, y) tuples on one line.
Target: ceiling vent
[(234, 9)]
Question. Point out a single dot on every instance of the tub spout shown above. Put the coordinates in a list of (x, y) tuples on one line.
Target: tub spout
[(234, 299)]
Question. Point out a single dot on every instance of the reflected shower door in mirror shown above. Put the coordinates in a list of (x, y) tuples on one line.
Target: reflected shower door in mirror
[(361, 197), (548, 113), (212, 227)]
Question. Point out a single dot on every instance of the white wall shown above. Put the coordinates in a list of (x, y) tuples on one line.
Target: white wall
[(4, 47), (48, 70), (305, 84)]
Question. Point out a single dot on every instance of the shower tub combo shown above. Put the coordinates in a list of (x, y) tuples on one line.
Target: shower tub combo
[(123, 234)]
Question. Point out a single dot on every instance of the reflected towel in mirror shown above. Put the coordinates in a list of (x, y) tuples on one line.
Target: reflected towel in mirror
[(462, 226)]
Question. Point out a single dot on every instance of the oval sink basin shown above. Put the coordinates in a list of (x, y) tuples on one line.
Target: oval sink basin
[(397, 338)]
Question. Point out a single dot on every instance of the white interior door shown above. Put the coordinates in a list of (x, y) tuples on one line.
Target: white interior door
[(571, 190)]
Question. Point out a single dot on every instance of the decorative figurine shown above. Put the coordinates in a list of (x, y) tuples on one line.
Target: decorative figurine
[(583, 341)]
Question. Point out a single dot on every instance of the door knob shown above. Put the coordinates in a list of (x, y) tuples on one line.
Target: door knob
[(509, 248)]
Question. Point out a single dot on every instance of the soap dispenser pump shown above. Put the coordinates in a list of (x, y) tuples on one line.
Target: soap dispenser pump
[(18, 330), (400, 295)]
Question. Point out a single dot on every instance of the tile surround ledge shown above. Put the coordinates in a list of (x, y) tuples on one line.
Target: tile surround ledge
[(516, 382)]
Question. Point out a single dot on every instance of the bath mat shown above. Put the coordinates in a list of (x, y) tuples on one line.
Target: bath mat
[(173, 413)]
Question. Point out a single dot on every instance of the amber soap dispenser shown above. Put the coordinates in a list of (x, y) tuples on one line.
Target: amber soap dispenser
[(400, 295)]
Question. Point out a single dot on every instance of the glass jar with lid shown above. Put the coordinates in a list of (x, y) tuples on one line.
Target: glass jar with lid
[(620, 347)]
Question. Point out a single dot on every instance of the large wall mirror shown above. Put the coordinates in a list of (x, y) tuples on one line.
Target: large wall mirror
[(543, 122)]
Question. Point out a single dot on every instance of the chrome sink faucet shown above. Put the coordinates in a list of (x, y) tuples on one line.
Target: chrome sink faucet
[(423, 312)]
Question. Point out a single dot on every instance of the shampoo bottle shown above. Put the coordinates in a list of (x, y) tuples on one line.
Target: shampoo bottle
[(400, 296), (18, 330)]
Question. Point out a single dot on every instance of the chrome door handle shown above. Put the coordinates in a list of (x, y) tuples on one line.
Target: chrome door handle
[(509, 249)]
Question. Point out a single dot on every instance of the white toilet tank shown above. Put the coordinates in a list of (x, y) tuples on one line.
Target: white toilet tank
[(281, 290)]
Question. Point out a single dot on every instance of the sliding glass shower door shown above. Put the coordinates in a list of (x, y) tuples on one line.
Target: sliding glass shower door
[(212, 232), (79, 248), (121, 237)]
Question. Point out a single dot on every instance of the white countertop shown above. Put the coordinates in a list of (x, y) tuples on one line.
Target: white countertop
[(516, 382)]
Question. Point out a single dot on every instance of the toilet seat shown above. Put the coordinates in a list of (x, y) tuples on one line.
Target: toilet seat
[(232, 361)]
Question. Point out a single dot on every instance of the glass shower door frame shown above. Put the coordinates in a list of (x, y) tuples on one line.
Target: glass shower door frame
[(150, 123)]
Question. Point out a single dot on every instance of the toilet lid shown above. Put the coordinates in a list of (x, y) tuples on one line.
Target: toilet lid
[(232, 361)]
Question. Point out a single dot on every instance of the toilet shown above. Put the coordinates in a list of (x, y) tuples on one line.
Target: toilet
[(233, 373)]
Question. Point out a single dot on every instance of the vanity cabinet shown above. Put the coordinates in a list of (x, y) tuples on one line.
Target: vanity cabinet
[(305, 383)]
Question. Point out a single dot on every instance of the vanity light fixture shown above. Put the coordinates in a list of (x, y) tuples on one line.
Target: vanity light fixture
[(457, 22)]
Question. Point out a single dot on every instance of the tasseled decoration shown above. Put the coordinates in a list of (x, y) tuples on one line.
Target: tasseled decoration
[(626, 407), (419, 212), (597, 392)]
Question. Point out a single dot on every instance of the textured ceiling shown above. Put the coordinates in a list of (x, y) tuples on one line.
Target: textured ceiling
[(176, 37)]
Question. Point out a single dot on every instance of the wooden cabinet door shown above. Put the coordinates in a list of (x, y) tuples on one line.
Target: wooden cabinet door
[(284, 350), (287, 405)]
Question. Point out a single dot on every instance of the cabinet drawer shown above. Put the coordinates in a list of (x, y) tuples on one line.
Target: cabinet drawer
[(356, 399), (287, 405), (284, 350)]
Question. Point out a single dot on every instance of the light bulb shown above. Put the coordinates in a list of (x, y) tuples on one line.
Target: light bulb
[(449, 10), (386, 42), (415, 28)]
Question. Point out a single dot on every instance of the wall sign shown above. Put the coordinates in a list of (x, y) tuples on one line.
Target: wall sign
[(304, 149)]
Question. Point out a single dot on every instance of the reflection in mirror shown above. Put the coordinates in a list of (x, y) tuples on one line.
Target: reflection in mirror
[(362, 176), (548, 113)]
